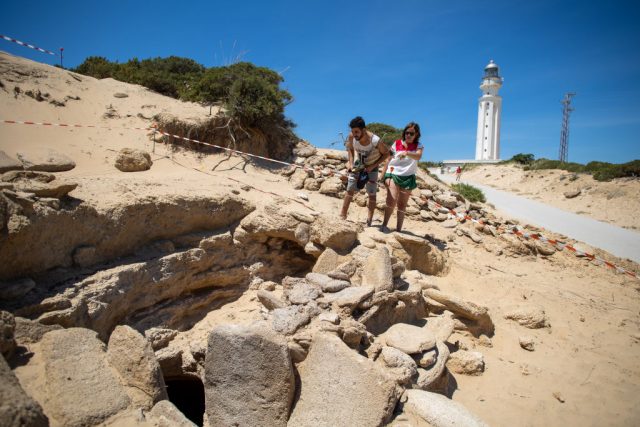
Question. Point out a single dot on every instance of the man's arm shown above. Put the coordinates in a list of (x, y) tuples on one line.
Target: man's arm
[(349, 146)]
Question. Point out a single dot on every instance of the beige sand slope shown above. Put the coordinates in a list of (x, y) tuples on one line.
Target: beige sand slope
[(616, 202), (585, 369)]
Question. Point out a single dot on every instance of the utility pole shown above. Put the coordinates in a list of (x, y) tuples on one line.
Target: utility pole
[(564, 133)]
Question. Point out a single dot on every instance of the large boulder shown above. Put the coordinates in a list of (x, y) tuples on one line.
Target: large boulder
[(425, 409), (249, 379), (132, 356), (409, 339), (331, 186), (57, 189), (82, 388), (418, 254), (269, 222), (133, 160), (333, 233), (462, 308), (47, 160), (360, 393), (377, 271), (17, 408)]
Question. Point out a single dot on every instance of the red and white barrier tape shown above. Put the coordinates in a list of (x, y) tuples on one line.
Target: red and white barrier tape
[(29, 45), (513, 230), (558, 244), (21, 122)]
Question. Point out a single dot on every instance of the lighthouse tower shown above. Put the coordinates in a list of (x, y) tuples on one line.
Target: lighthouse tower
[(489, 113)]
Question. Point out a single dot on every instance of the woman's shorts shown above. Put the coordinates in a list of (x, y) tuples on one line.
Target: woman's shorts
[(404, 182), (371, 186)]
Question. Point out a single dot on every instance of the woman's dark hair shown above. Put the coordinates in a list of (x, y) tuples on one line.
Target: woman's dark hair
[(416, 127), (357, 122)]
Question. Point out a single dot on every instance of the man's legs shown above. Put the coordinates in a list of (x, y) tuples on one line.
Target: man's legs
[(403, 199), (345, 204)]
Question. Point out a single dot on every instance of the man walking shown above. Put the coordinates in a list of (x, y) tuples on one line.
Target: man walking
[(366, 152)]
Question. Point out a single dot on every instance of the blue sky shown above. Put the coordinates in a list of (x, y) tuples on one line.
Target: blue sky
[(390, 62)]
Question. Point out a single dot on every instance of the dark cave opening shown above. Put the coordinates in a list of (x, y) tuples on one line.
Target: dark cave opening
[(188, 395)]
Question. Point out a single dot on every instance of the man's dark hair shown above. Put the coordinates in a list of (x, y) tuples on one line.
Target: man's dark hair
[(416, 127), (357, 122)]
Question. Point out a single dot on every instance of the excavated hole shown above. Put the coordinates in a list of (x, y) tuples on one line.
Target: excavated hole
[(187, 393)]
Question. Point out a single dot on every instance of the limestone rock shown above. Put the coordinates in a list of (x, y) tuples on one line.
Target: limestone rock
[(132, 356), (270, 300), (377, 270), (287, 320), (423, 408), (446, 200), (529, 316), (418, 254), (133, 160), (31, 331), (47, 160), (326, 283), (349, 297), (301, 293), (409, 339), (165, 414), (311, 184), (270, 222), (427, 379), (334, 233), (327, 261), (159, 337), (304, 149), (466, 362), (403, 367), (8, 163), (527, 343), (7, 334), (573, 193), (82, 387), (297, 179), (249, 379), (462, 308), (360, 393), (331, 186), (17, 408)]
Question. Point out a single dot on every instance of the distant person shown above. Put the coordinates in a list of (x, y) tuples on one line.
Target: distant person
[(400, 173), (366, 151), (458, 173)]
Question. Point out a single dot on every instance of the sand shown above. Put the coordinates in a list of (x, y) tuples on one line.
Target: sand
[(585, 369)]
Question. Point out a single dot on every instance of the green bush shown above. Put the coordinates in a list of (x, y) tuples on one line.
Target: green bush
[(251, 94), (601, 171), (388, 133), (523, 159), (469, 192)]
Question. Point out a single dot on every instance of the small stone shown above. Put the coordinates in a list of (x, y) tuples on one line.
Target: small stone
[(120, 95), (427, 359), (558, 396), (234, 191), (303, 196), (329, 317), (527, 343), (246, 187)]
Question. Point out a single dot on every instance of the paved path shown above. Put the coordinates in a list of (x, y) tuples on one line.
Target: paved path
[(615, 240)]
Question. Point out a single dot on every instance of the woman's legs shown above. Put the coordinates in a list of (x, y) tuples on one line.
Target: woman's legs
[(392, 197), (403, 199)]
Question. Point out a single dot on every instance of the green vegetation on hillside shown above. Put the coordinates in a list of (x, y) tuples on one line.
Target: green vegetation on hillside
[(601, 171), (469, 192), (250, 94)]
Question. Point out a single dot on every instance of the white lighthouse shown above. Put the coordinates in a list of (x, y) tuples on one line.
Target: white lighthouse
[(489, 113)]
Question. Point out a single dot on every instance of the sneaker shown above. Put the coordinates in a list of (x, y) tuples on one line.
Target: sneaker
[(384, 229), (369, 221)]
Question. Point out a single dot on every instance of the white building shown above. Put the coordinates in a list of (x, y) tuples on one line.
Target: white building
[(489, 114)]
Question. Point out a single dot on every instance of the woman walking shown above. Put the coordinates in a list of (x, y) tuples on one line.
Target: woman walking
[(400, 173)]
